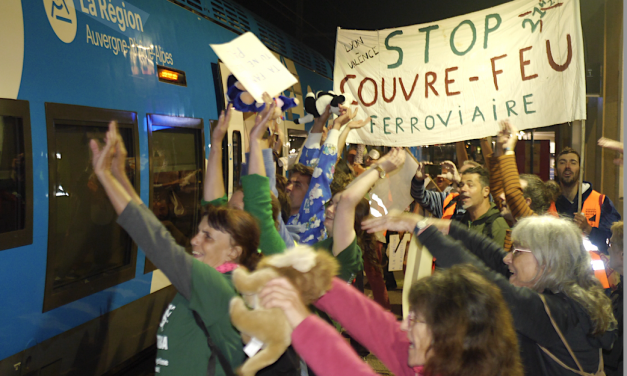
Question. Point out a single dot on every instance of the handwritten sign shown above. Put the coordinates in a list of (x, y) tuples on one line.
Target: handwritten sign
[(254, 66), (396, 251), (453, 80)]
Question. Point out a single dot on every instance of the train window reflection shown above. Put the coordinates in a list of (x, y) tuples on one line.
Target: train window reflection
[(177, 165), (16, 206), (87, 240), (237, 157), (87, 250), (12, 175)]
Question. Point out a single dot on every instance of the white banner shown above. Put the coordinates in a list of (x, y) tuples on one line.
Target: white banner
[(453, 80)]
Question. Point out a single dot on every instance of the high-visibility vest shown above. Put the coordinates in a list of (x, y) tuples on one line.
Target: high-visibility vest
[(448, 208), (598, 266), (592, 208), (553, 210), (592, 211)]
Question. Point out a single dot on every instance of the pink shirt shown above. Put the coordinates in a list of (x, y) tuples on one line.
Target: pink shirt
[(329, 354)]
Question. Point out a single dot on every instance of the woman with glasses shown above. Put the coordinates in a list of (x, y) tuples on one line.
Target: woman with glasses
[(562, 316), (458, 325)]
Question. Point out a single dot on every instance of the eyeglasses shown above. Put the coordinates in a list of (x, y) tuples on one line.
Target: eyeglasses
[(517, 251)]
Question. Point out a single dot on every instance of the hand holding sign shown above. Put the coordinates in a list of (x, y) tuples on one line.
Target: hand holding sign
[(255, 67)]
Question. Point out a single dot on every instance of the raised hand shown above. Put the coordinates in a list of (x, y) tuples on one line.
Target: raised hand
[(261, 122), (223, 126), (420, 171), (102, 157), (356, 124), (346, 115), (451, 171), (118, 166), (392, 160), (506, 139), (395, 221)]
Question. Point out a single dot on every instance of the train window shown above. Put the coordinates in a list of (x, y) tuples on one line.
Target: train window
[(16, 175), (296, 139), (237, 157), (87, 250), (177, 165)]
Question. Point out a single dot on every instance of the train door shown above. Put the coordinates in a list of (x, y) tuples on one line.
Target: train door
[(236, 144)]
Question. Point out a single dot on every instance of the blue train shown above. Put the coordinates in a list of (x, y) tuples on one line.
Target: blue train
[(78, 297)]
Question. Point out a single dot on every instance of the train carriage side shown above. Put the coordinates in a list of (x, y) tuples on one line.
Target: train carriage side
[(78, 296)]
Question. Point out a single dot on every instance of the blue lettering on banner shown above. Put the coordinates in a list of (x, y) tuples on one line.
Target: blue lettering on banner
[(117, 14)]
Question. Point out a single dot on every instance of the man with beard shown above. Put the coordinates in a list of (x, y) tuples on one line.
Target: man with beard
[(481, 214), (598, 211)]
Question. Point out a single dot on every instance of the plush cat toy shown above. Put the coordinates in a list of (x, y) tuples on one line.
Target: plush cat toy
[(316, 104), (310, 272), (244, 102)]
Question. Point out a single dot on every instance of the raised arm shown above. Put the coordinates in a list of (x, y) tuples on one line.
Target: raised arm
[(257, 199), (310, 151), (341, 143), (429, 200), (214, 182), (509, 171), (322, 347), (344, 222), (140, 223)]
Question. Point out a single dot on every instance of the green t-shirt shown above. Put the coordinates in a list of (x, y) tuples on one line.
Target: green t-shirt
[(350, 259), (221, 201), (181, 345)]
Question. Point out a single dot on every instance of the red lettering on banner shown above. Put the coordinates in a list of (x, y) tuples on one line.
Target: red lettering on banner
[(429, 83), (345, 80), (447, 81), (524, 62), (393, 90), (400, 80), (494, 71), (552, 63), (361, 86)]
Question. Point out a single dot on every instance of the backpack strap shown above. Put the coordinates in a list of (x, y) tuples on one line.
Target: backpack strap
[(215, 352), (487, 230), (570, 351)]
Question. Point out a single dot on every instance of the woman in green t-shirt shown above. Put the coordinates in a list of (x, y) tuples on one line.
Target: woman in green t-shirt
[(226, 238)]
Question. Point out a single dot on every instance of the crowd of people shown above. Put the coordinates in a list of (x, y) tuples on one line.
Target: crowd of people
[(513, 293)]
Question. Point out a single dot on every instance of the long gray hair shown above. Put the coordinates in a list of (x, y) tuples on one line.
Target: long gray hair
[(557, 244)]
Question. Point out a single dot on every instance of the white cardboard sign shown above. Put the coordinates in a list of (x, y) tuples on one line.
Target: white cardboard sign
[(254, 66)]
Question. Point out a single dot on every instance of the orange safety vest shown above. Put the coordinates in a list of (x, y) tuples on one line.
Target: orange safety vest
[(592, 208), (592, 211), (553, 210), (448, 208), (600, 273)]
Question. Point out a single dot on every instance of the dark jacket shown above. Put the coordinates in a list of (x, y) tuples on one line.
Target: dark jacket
[(614, 358), (491, 224), (532, 324), (609, 214)]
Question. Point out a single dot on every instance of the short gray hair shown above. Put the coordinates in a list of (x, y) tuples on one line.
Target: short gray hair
[(557, 244)]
